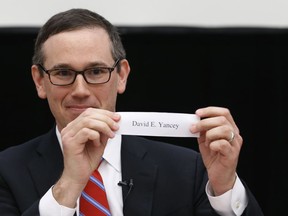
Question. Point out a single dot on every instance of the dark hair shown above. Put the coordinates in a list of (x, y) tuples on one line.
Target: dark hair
[(75, 19)]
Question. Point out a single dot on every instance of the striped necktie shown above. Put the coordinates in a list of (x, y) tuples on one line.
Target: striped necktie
[(93, 200)]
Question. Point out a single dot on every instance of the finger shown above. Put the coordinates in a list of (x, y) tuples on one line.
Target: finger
[(217, 112), (98, 120), (100, 115), (221, 146)]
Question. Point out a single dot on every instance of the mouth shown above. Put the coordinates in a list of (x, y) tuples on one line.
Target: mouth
[(77, 109)]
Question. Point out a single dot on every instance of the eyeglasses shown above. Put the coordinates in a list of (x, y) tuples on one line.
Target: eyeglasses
[(66, 76)]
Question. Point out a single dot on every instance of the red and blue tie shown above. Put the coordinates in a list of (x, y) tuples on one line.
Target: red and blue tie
[(93, 200)]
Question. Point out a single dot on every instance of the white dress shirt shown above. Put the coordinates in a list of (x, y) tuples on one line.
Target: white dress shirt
[(231, 203)]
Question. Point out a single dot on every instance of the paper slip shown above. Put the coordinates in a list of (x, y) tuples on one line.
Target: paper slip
[(157, 124)]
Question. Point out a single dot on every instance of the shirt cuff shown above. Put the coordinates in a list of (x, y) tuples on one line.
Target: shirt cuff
[(233, 202), (48, 206)]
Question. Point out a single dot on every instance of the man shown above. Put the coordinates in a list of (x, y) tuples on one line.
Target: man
[(80, 66)]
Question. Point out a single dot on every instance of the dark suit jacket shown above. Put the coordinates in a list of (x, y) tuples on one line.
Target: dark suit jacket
[(167, 180)]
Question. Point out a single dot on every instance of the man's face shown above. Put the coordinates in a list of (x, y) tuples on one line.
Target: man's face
[(78, 50)]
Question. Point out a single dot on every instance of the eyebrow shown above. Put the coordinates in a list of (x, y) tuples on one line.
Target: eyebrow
[(89, 65)]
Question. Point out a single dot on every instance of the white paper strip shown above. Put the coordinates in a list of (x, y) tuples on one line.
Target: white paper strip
[(157, 124)]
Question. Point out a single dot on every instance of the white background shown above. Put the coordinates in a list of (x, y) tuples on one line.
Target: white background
[(211, 13)]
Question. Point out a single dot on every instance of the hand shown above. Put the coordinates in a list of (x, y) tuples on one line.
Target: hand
[(84, 140), (218, 146)]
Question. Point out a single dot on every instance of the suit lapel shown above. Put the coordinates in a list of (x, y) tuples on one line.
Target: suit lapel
[(143, 172), (46, 167)]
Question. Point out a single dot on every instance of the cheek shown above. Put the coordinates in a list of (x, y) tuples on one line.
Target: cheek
[(56, 100), (107, 96), (54, 94)]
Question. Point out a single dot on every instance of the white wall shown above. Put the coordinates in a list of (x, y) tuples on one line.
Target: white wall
[(154, 12)]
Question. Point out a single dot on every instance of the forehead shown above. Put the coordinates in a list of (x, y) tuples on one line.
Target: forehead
[(88, 44)]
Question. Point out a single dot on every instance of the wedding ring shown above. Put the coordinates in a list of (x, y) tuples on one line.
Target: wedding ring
[(231, 137)]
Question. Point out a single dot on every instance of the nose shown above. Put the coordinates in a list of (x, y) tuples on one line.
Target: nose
[(80, 86)]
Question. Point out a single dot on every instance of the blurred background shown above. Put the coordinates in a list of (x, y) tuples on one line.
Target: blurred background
[(183, 55)]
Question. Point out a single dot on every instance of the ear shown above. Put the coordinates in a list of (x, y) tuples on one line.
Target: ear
[(38, 79), (123, 75)]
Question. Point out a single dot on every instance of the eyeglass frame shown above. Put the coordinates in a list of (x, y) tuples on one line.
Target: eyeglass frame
[(76, 73)]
